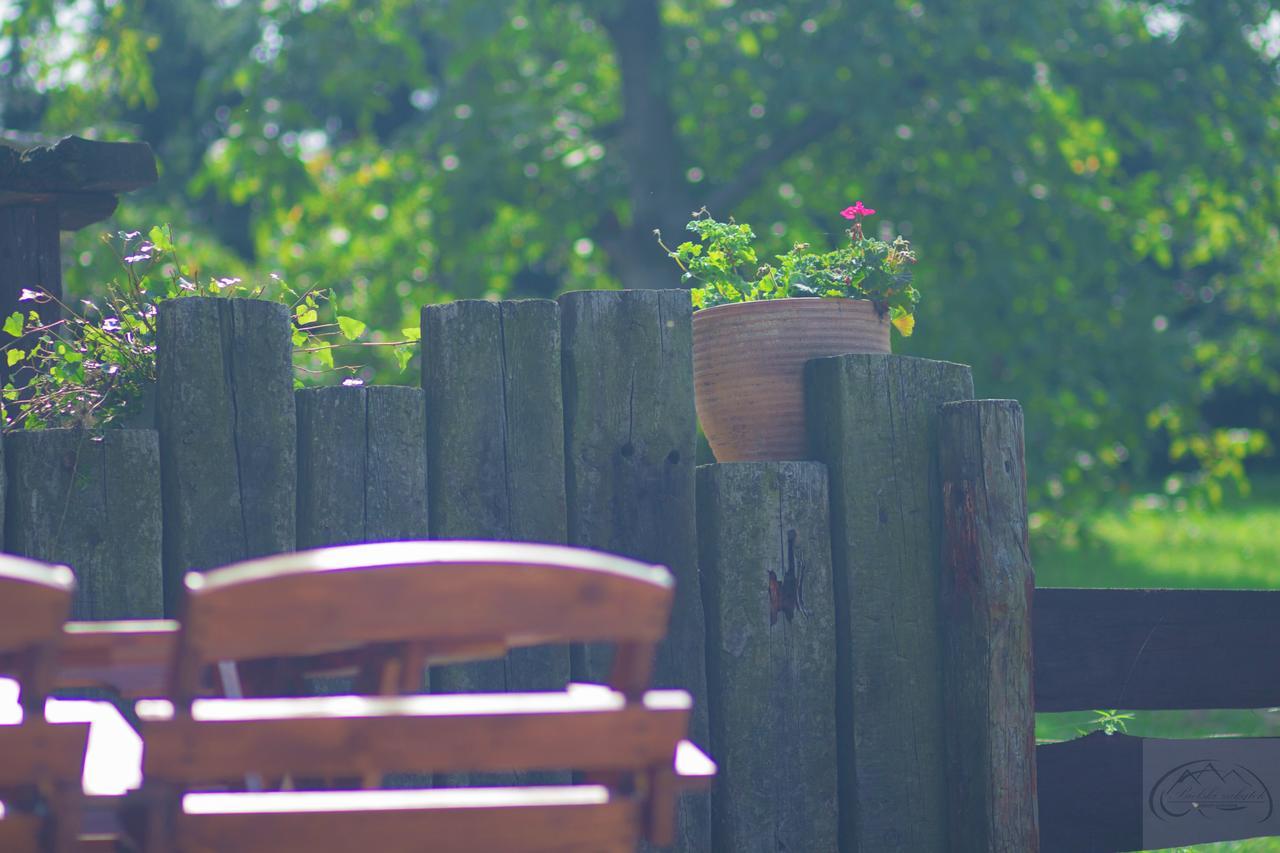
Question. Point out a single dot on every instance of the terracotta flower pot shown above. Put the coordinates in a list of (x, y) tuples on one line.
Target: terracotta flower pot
[(748, 369)]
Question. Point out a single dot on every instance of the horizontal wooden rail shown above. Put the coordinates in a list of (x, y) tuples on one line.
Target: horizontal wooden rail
[(1104, 793), (1156, 649)]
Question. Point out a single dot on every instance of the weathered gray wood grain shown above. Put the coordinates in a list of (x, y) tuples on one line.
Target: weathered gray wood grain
[(495, 448), (873, 420), (92, 503), (987, 585), (75, 164), (228, 433), (362, 465), (765, 564), (629, 460), (30, 259)]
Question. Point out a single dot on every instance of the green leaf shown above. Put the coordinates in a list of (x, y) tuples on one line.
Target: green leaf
[(402, 354), (351, 327), (15, 355), (305, 315), (161, 237), (325, 357), (412, 333), (13, 324)]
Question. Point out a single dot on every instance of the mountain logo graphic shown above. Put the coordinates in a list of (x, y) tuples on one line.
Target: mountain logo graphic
[(1210, 790)]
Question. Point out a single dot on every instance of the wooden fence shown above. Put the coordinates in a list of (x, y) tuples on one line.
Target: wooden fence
[(857, 629)]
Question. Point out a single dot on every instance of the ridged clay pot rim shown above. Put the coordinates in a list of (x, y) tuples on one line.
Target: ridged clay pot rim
[(757, 304)]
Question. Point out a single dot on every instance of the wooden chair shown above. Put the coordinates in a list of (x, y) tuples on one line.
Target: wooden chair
[(41, 763), (417, 604)]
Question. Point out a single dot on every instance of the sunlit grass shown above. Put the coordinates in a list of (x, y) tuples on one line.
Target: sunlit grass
[(1235, 546)]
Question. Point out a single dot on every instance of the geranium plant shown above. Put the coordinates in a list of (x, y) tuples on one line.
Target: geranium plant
[(723, 268), (93, 364)]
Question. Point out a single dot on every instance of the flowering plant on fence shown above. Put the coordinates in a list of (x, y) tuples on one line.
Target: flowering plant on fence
[(724, 267), (89, 363)]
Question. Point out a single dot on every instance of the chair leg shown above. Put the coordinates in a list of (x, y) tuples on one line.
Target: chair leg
[(65, 820)]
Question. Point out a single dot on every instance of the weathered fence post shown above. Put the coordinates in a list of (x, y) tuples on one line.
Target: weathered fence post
[(362, 465), (92, 503), (987, 583), (228, 433), (765, 563), (629, 460), (495, 449), (873, 420)]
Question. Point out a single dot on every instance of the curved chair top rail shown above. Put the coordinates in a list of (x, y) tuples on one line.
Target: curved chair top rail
[(35, 600), (440, 593)]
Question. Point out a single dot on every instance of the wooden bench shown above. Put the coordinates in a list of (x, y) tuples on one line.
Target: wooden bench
[(41, 763), (414, 604)]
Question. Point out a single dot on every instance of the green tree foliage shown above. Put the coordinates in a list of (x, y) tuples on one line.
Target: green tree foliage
[(1091, 184)]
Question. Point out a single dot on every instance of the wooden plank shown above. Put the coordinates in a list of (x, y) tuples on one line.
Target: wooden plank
[(987, 585), (132, 658), (330, 736), (495, 445), (395, 468), (873, 420), (1156, 649), (629, 470), (362, 468), (518, 825), (495, 420), (36, 751), (1090, 794), (41, 595), (75, 164), (92, 503), (74, 210), (225, 412), (765, 563)]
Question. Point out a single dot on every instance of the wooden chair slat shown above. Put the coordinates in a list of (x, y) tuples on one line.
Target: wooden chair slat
[(573, 827), (478, 734), (470, 593), (38, 596), (20, 833), (35, 750), (131, 657)]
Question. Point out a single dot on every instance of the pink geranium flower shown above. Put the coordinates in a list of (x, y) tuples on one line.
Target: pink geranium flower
[(856, 210)]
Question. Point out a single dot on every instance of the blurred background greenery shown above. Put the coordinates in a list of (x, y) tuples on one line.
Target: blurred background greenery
[(1092, 186)]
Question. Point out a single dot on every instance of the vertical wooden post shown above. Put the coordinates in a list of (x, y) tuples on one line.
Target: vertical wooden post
[(228, 433), (495, 449), (362, 465), (765, 561), (987, 584), (629, 464), (92, 503), (873, 420), (30, 258)]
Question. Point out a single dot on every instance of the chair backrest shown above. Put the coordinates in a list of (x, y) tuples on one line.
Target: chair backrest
[(40, 763), (451, 600), (35, 600)]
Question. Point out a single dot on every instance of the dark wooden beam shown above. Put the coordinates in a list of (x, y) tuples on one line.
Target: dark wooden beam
[(1156, 649), (78, 165), (1090, 794)]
